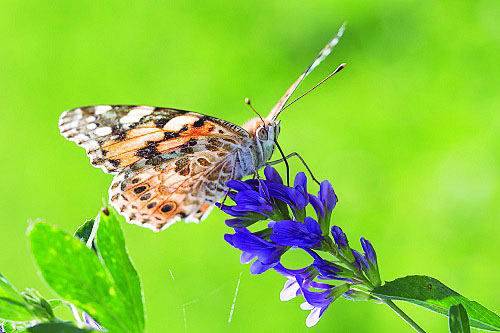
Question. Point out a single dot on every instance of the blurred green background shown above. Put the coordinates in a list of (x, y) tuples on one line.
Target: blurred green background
[(409, 134)]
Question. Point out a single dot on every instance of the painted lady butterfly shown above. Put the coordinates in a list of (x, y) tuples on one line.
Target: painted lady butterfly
[(172, 164)]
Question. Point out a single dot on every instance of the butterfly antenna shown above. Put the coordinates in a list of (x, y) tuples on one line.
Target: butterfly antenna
[(338, 69), (249, 103)]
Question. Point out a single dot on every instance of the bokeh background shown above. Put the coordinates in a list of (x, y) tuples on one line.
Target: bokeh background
[(409, 134)]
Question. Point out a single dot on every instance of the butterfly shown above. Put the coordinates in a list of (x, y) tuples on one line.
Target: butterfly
[(171, 164)]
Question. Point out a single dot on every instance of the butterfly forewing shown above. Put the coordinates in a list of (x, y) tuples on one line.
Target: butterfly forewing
[(170, 164), (118, 136)]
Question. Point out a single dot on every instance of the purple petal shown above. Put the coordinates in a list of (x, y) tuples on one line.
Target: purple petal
[(246, 257), (306, 274), (318, 299), (239, 185), (312, 226), (317, 205), (369, 251), (361, 261), (246, 241), (272, 175), (259, 267), (300, 181), (327, 195), (293, 233), (239, 223), (339, 236)]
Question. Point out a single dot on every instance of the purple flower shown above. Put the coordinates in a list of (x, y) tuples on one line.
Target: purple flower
[(272, 175), (296, 197), (367, 262), (318, 206), (322, 301), (339, 237), (266, 253), (370, 254), (325, 202), (319, 300), (360, 261), (283, 208), (327, 270), (318, 297), (253, 203), (342, 243), (371, 257), (307, 273), (327, 196), (301, 282), (293, 233), (290, 290), (299, 195)]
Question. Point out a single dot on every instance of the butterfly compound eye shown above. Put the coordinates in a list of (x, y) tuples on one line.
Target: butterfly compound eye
[(262, 134)]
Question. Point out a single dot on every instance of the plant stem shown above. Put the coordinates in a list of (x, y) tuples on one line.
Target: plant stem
[(403, 315), (76, 315)]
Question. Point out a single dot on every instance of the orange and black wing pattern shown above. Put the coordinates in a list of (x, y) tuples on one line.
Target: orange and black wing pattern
[(169, 164)]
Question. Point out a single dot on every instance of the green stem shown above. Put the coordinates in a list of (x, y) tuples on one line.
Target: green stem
[(360, 275), (403, 315)]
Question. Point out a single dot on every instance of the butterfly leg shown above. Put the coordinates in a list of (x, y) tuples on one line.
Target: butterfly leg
[(224, 199), (226, 194), (284, 159), (295, 154)]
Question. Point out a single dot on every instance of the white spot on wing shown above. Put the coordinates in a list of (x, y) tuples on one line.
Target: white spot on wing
[(90, 145), (136, 114), (178, 122), (70, 125), (100, 109), (102, 131), (143, 109), (80, 138)]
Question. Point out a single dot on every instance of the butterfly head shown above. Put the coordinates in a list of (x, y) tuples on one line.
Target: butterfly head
[(264, 132)]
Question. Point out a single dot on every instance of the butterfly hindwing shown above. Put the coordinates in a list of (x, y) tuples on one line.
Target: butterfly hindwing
[(182, 188)]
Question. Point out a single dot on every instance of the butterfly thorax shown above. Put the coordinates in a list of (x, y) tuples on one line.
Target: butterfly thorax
[(264, 134)]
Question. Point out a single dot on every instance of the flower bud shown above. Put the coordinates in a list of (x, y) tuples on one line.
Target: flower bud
[(371, 257), (342, 243)]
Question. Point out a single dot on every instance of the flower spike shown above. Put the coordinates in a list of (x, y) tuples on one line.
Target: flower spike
[(283, 209)]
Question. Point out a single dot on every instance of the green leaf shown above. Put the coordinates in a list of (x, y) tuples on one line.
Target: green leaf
[(57, 328), (40, 307), (458, 319), (432, 294), (110, 245), (13, 306), (8, 327), (85, 230), (78, 276), (56, 303)]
